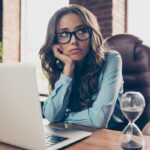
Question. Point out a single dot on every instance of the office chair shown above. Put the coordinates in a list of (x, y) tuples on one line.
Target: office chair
[(136, 68)]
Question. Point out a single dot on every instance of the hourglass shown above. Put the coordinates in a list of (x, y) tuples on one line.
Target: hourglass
[(132, 105)]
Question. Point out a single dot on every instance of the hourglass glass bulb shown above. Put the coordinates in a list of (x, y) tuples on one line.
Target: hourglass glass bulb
[(132, 138), (132, 105)]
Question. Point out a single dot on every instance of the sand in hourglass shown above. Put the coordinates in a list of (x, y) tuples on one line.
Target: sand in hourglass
[(131, 113), (131, 145)]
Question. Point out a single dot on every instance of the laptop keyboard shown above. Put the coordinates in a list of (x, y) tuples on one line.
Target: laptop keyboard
[(53, 139)]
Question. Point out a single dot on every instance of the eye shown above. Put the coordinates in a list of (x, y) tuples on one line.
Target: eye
[(63, 34), (83, 30)]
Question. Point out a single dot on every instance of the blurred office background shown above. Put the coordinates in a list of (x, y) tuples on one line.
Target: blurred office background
[(23, 25)]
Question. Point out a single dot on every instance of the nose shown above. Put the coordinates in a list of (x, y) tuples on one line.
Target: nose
[(73, 40)]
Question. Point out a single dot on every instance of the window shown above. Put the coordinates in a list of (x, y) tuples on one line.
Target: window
[(138, 19), (34, 20)]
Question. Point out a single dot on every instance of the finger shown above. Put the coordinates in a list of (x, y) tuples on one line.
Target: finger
[(57, 53), (56, 50)]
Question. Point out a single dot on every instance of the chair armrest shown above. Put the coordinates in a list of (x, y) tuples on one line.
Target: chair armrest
[(146, 129)]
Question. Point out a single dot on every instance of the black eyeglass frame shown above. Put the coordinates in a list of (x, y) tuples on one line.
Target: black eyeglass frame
[(73, 33)]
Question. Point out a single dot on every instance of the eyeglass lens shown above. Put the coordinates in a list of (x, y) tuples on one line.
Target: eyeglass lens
[(80, 34)]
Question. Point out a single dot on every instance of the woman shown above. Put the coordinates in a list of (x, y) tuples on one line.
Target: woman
[(86, 80)]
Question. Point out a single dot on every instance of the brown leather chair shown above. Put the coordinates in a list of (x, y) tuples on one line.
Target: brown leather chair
[(136, 67)]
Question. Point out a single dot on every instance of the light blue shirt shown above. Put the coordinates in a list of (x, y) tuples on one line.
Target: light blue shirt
[(111, 86)]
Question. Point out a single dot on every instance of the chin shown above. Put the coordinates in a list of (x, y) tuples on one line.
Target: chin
[(76, 58)]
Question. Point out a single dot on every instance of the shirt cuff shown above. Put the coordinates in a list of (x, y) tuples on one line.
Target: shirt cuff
[(65, 79)]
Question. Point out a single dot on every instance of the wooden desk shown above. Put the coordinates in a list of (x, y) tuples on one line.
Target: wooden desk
[(102, 139)]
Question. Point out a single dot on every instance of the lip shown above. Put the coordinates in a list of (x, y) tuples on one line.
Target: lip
[(75, 50)]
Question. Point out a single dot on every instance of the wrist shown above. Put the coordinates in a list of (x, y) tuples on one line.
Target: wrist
[(68, 69)]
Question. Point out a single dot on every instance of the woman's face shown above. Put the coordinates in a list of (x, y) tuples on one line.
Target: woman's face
[(76, 47)]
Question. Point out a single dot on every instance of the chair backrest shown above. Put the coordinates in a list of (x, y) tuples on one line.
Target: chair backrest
[(136, 67)]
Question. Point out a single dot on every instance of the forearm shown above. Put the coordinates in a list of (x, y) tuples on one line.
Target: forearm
[(54, 107), (88, 118), (96, 116)]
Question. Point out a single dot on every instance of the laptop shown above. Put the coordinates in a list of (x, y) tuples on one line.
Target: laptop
[(21, 122)]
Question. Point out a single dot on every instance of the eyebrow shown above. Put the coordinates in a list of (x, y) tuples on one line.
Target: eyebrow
[(66, 29), (80, 26)]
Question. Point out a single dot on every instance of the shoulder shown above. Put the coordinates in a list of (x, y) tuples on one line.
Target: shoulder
[(112, 54), (113, 60)]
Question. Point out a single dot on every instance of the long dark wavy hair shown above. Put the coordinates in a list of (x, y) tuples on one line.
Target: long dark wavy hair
[(87, 84)]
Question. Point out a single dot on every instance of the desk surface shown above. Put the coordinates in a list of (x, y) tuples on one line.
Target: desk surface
[(102, 139)]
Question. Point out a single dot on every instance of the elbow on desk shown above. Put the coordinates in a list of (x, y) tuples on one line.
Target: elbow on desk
[(97, 120), (98, 123), (52, 116), (48, 117), (48, 114)]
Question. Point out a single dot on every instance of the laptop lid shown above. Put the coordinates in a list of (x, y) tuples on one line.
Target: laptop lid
[(20, 116)]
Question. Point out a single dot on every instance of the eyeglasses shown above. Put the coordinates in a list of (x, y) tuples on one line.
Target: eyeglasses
[(81, 34)]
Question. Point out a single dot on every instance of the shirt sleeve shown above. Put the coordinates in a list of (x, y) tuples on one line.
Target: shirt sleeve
[(99, 114), (55, 106)]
